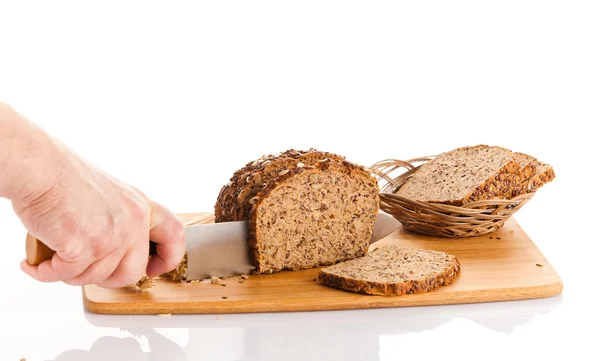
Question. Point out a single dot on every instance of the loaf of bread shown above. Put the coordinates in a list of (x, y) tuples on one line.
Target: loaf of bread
[(461, 175), (305, 209), (393, 270)]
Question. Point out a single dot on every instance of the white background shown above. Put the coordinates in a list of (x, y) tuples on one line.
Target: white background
[(175, 96)]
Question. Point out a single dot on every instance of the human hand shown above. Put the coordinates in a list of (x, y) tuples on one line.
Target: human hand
[(99, 227)]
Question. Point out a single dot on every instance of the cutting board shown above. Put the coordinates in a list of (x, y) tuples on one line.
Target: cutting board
[(505, 265)]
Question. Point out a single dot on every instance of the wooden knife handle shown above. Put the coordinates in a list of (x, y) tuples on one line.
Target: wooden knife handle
[(37, 252)]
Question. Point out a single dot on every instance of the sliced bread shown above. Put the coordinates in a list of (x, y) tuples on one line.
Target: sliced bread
[(312, 216), (393, 270), (502, 188), (460, 176), (544, 174)]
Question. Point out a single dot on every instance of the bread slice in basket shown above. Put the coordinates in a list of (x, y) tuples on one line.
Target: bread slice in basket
[(461, 175), (504, 186), (393, 270), (544, 174)]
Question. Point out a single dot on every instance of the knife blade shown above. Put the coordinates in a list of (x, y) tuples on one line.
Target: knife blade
[(221, 249)]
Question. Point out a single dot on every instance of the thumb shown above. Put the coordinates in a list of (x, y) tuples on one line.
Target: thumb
[(166, 230)]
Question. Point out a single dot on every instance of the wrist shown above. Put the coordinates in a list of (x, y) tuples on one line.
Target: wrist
[(29, 158)]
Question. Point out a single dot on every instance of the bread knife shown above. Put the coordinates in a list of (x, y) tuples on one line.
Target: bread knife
[(215, 249)]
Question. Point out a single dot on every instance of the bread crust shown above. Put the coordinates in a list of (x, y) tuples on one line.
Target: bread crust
[(442, 278), (503, 188), (490, 184), (533, 183), (232, 202)]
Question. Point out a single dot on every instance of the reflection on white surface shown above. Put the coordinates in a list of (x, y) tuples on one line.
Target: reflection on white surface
[(336, 335)]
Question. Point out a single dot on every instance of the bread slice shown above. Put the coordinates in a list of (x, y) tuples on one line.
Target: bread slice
[(393, 270), (544, 174), (502, 188), (233, 200), (460, 176), (312, 216)]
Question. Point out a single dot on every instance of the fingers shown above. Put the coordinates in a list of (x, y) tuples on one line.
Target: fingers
[(166, 230), (115, 263), (132, 267), (100, 270), (42, 272), (69, 270)]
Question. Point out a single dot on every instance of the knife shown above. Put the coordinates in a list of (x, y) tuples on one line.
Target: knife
[(215, 249)]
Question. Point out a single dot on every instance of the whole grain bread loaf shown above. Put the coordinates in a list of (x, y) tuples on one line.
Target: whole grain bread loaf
[(305, 209), (461, 175), (393, 270)]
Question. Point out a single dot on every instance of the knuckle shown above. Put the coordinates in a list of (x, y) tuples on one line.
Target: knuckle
[(139, 213), (100, 246), (71, 250), (178, 231)]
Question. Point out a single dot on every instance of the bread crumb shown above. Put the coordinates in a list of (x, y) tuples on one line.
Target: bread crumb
[(194, 281), (164, 314), (240, 281), (224, 297), (218, 318), (539, 265), (512, 231), (314, 280), (222, 284), (215, 280), (491, 237), (244, 277), (498, 238), (22, 359), (144, 284)]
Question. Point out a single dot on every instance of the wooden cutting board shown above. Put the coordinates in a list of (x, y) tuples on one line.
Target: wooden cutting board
[(502, 266)]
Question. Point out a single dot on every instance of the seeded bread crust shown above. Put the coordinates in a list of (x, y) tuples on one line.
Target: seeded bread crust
[(503, 189), (258, 179), (545, 174), (232, 203), (332, 276), (478, 192), (259, 239)]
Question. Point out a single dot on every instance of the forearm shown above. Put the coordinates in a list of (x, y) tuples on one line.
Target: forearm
[(27, 156)]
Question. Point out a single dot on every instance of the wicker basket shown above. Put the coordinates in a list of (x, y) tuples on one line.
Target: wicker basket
[(443, 220)]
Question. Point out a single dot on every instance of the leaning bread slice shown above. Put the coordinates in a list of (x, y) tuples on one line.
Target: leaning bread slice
[(393, 270), (544, 174), (502, 187), (460, 176), (313, 216)]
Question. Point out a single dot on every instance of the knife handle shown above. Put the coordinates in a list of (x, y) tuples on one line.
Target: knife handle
[(37, 252)]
